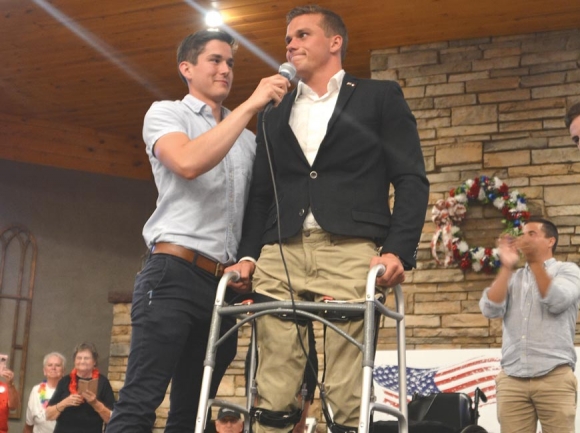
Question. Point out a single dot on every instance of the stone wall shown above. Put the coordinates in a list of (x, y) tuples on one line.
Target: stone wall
[(490, 106)]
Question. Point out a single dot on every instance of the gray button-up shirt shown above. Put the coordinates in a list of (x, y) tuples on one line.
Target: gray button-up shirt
[(538, 333), (204, 214)]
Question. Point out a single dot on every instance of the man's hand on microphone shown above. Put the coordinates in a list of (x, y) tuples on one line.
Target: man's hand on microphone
[(246, 269), (270, 89)]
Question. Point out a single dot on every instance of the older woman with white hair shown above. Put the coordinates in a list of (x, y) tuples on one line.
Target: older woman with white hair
[(83, 400), (53, 369)]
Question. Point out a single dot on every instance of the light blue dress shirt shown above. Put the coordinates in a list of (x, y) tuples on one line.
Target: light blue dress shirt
[(204, 214), (538, 333)]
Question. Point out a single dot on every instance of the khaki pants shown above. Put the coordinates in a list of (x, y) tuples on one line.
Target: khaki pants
[(319, 264), (551, 398)]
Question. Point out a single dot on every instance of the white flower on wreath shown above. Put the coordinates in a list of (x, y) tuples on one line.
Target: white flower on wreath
[(478, 255), (462, 246), (497, 183), (521, 207), (499, 203), (461, 198), (481, 196)]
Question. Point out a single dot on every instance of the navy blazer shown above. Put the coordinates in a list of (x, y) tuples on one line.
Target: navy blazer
[(371, 142)]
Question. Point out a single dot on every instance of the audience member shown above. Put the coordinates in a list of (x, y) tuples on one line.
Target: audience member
[(201, 156), (338, 143), (539, 307), (83, 400), (572, 122), (53, 368), (229, 421), (9, 397)]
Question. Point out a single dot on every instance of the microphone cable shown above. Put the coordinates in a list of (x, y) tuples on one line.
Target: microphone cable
[(279, 234), (290, 288)]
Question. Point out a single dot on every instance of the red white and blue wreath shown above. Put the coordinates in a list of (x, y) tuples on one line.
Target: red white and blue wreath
[(448, 214)]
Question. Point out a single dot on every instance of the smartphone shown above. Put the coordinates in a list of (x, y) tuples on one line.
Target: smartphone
[(3, 362)]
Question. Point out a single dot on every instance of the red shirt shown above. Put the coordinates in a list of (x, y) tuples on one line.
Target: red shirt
[(4, 409)]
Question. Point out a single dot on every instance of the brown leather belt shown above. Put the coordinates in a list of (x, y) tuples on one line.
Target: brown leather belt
[(193, 257)]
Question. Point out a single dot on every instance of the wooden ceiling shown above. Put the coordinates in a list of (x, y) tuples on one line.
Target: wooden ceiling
[(77, 76)]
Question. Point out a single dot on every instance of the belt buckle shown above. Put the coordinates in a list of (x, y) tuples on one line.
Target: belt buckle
[(219, 270)]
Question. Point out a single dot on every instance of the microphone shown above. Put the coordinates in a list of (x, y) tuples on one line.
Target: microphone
[(288, 71)]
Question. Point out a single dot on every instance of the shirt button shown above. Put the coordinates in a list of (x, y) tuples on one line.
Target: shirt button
[(313, 175), (301, 213)]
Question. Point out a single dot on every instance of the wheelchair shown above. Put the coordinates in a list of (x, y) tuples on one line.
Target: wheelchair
[(452, 412)]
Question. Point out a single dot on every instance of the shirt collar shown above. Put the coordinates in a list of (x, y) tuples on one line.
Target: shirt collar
[(192, 102), (333, 85), (547, 263), (198, 106)]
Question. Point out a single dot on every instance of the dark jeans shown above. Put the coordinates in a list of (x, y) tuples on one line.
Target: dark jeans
[(170, 317)]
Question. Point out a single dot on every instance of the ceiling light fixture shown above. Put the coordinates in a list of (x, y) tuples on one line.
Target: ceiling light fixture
[(213, 19)]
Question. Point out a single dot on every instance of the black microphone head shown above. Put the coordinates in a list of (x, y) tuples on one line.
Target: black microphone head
[(287, 70)]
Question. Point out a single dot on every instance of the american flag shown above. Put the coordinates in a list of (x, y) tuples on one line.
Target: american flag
[(463, 377)]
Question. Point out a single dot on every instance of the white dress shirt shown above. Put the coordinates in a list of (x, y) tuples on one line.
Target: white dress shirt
[(309, 120)]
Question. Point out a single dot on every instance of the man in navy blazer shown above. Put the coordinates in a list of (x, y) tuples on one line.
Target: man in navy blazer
[(336, 144)]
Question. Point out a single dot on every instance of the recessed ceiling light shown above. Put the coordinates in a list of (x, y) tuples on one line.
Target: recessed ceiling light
[(213, 19)]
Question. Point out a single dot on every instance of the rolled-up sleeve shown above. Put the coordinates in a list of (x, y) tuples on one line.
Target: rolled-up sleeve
[(564, 289), (490, 309)]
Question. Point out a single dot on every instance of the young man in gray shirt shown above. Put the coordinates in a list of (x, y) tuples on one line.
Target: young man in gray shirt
[(201, 156), (539, 306)]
